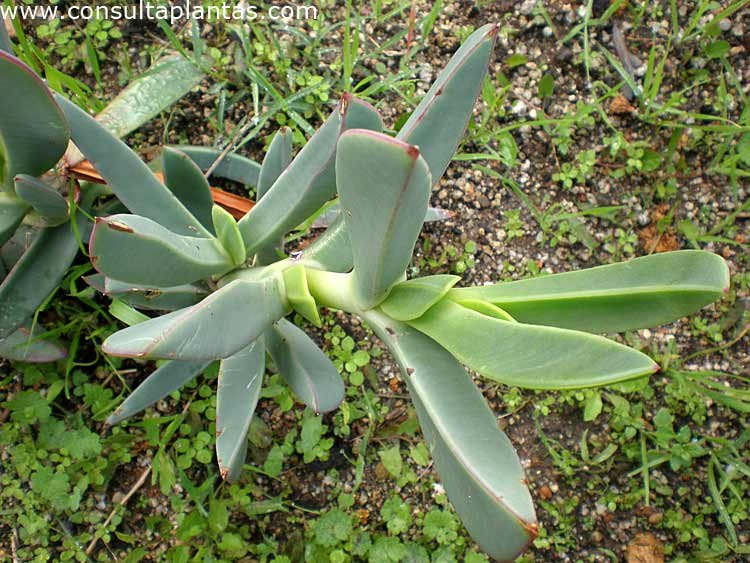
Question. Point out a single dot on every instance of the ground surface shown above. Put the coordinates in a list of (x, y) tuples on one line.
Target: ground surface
[(556, 174)]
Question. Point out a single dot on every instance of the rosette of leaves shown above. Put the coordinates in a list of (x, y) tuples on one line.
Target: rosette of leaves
[(229, 294)]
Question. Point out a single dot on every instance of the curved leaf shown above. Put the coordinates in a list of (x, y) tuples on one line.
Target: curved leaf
[(384, 186), (33, 133), (277, 159), (331, 251), (228, 234), (137, 250), (440, 120), (298, 294), (643, 292), (240, 381), (166, 379), (37, 274), (232, 166), (130, 179), (46, 201), (410, 299), (476, 461), (183, 177), (307, 370), (309, 181), (530, 356), (25, 346), (221, 325), (12, 212), (148, 297)]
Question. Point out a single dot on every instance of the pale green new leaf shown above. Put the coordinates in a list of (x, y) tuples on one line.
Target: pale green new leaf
[(438, 123), (228, 234), (530, 356), (166, 379), (137, 250), (221, 325), (307, 370), (277, 159), (410, 299), (298, 294), (309, 181), (46, 201), (128, 177), (33, 131), (643, 292), (231, 166), (475, 460), (185, 179), (384, 186), (238, 390)]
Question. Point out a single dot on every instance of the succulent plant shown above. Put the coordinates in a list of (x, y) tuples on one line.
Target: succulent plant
[(228, 289)]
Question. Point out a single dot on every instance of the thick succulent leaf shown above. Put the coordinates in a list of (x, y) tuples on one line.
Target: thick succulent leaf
[(166, 379), (307, 370), (333, 211), (33, 132), (137, 250), (487, 308), (221, 325), (441, 118), (643, 292), (240, 381), (12, 212), (166, 82), (24, 346), (410, 299), (232, 166), (298, 294), (331, 251), (187, 182), (277, 159), (228, 234), (309, 181), (5, 43), (148, 297), (535, 357), (384, 186), (475, 460), (36, 274), (46, 201), (130, 179)]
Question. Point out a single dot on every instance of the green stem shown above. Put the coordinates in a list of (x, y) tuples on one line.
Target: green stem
[(332, 290)]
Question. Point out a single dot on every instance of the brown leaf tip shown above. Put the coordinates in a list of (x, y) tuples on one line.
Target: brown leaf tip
[(413, 152), (117, 226)]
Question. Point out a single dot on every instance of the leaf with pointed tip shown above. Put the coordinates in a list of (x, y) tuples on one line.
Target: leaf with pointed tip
[(410, 299), (25, 346), (438, 123), (129, 178), (234, 167), (138, 250), (12, 212), (33, 133), (37, 273), (298, 294), (166, 379), (46, 201), (277, 159), (488, 309), (163, 84), (309, 181), (238, 390), (221, 325), (331, 251), (530, 356), (147, 296), (384, 186), (183, 177), (641, 293), (476, 461), (228, 234), (307, 370)]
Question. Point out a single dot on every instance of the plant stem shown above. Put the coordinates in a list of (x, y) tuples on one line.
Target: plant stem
[(332, 290)]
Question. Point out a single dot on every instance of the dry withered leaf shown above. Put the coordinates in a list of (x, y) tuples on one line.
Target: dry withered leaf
[(651, 240), (620, 106), (9, 26), (645, 548)]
